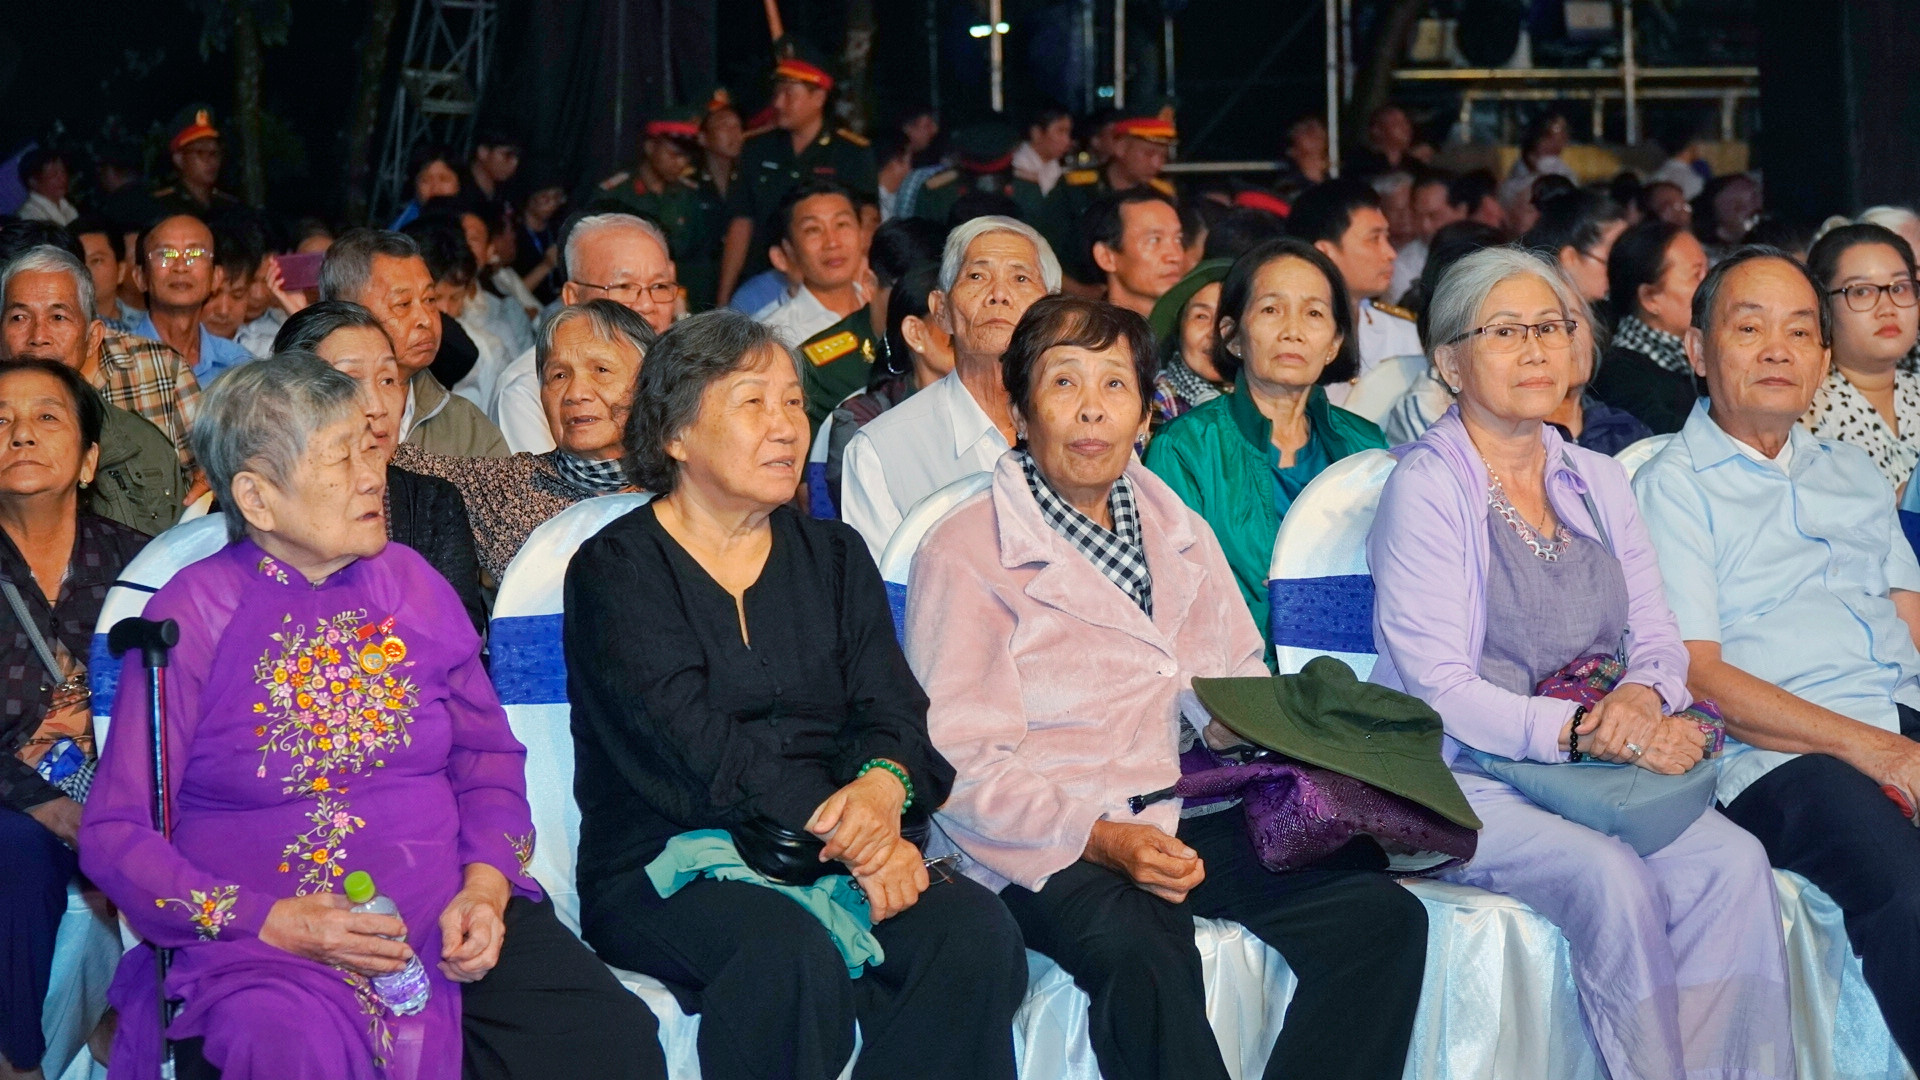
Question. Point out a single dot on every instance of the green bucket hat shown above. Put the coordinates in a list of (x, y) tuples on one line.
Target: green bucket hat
[(1325, 716), (1165, 319)]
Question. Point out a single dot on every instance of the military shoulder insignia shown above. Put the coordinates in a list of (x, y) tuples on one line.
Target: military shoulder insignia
[(615, 181), (1395, 310), (1162, 185), (756, 132), (851, 136), (940, 179), (827, 350), (1081, 177)]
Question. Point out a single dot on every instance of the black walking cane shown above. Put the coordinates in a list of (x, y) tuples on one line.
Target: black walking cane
[(153, 639)]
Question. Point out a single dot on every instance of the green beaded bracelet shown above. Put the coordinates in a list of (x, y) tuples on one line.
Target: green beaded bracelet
[(899, 774)]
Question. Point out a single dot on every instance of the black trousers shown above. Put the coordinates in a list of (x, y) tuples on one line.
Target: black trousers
[(1357, 941), (549, 1008), (34, 870), (774, 996), (1828, 822)]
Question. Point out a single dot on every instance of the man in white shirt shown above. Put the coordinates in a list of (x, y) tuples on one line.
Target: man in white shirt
[(822, 244), (45, 174), (616, 257), (1344, 220), (1049, 137), (993, 269)]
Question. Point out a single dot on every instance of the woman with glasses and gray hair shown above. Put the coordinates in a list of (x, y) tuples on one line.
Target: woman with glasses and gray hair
[(1506, 560), (328, 715), (1867, 272), (743, 718), (588, 358)]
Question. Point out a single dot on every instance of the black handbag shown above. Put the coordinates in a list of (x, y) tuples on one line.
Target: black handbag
[(792, 856)]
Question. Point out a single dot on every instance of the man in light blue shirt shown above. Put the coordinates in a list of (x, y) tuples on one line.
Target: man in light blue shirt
[(1798, 597), (175, 269)]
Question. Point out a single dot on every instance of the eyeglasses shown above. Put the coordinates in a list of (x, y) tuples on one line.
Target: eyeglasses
[(168, 256), (1511, 337), (626, 292), (1863, 296)]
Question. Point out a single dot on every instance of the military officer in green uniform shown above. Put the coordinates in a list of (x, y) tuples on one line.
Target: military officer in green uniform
[(197, 156), (1141, 139), (664, 187), (799, 147), (984, 163), (839, 361)]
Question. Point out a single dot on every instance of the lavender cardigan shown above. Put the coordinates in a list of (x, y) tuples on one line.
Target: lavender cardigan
[(1428, 552)]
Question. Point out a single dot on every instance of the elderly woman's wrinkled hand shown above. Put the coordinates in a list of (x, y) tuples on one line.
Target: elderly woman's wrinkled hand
[(898, 877), (1151, 859), (1629, 716), (861, 821), (1675, 748), (472, 927), (322, 927)]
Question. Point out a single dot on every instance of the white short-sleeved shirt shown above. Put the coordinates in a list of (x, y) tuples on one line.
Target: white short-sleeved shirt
[(912, 450), (1384, 335), (1788, 563)]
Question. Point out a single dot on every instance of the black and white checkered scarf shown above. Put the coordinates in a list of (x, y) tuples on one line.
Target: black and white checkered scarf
[(1662, 348), (1120, 555), (595, 477)]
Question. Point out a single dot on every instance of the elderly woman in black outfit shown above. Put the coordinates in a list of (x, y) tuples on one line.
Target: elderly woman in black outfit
[(425, 513), (61, 561), (732, 665)]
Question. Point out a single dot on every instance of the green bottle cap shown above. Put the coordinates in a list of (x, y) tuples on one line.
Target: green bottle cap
[(359, 886)]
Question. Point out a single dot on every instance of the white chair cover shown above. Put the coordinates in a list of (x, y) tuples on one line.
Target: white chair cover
[(1499, 999), (1318, 585), (896, 562), (1639, 453)]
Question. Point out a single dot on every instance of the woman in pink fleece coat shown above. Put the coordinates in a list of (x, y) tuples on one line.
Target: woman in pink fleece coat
[(1056, 621)]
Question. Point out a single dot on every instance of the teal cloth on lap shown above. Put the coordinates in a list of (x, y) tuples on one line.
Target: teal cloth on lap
[(840, 907)]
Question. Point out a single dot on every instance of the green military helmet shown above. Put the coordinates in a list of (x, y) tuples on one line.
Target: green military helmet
[(986, 147), (680, 123), (799, 61), (191, 124), (1152, 120)]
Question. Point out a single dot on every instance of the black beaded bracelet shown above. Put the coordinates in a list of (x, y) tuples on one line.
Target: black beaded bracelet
[(1573, 735)]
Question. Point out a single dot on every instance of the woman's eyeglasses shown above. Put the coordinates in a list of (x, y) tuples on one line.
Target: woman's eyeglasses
[(1511, 337), (1865, 296)]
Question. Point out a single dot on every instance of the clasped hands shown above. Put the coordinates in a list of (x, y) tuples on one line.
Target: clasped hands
[(861, 826), (1631, 716)]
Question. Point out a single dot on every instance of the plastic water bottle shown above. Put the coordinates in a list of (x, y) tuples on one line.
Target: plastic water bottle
[(405, 992)]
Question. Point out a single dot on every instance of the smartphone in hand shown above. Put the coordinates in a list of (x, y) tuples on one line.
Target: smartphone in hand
[(300, 272)]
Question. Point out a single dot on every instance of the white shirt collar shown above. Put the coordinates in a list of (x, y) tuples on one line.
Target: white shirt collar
[(1782, 461), (970, 422)]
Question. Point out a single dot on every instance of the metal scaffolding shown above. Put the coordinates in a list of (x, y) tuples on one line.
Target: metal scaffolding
[(442, 74)]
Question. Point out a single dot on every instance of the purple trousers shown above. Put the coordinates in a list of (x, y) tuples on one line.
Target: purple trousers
[(1677, 957)]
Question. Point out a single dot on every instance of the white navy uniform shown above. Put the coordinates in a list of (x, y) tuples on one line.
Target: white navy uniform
[(1386, 331)]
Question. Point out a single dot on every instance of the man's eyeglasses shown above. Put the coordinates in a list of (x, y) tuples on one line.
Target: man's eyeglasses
[(185, 257), (1863, 296), (1510, 337), (626, 292)]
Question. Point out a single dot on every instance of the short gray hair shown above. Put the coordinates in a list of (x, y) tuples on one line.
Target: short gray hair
[(1389, 182), (965, 233), (47, 259), (1888, 217), (348, 267), (258, 417), (609, 321), (586, 227), (693, 354), (1465, 286)]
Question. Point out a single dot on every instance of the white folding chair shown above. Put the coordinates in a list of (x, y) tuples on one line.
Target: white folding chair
[(1318, 588), (1639, 453)]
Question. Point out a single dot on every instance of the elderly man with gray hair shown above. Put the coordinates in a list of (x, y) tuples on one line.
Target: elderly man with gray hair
[(587, 361), (385, 273), (1798, 599), (617, 257), (992, 270)]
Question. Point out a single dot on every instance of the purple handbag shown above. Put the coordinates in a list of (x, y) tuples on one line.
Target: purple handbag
[(1298, 814)]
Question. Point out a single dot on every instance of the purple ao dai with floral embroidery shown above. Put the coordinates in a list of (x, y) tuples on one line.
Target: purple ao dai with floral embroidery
[(313, 730)]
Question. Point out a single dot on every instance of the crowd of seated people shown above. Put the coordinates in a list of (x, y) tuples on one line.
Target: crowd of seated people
[(830, 825)]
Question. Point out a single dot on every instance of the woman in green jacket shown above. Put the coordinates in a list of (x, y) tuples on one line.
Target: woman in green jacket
[(1285, 329)]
